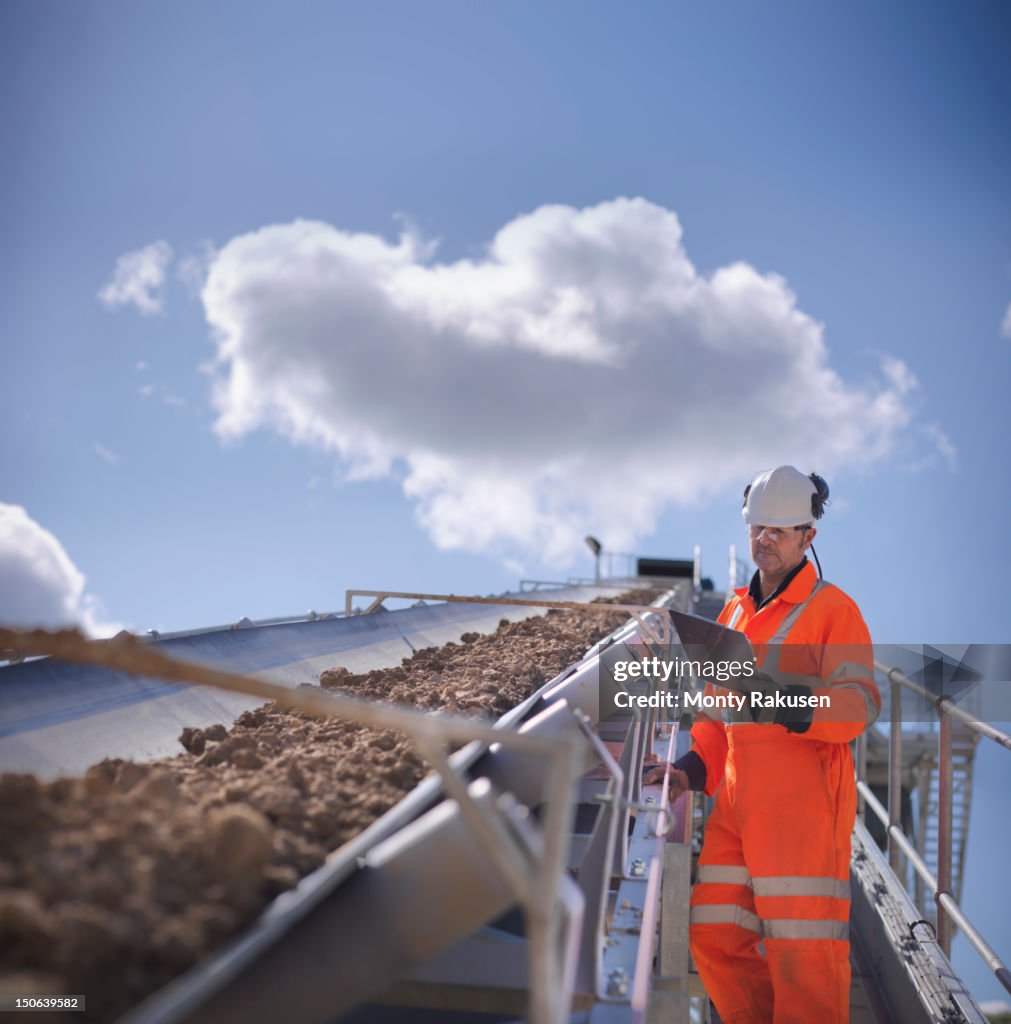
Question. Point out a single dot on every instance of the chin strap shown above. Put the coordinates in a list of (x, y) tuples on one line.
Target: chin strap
[(816, 562)]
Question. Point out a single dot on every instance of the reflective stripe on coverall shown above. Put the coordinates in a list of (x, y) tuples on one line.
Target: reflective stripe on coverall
[(774, 866)]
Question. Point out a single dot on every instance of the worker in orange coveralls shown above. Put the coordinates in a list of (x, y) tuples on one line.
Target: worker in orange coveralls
[(774, 867)]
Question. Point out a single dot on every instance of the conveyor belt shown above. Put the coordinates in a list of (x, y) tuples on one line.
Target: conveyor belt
[(407, 897), (58, 719)]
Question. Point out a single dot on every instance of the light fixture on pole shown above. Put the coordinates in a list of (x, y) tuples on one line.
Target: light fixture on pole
[(595, 546)]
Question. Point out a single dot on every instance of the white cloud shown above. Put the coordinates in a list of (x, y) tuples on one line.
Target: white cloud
[(514, 566), (170, 398), (141, 366), (193, 267), (139, 278), (943, 444), (576, 379), (1005, 327), (39, 584), (902, 378), (105, 453), (994, 1007)]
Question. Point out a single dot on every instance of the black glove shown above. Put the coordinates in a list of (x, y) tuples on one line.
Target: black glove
[(793, 719)]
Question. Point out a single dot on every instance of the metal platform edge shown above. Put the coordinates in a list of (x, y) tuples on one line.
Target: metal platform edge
[(899, 949)]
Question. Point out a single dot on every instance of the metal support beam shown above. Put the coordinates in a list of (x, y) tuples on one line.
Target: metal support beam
[(895, 777), (662, 634), (944, 801)]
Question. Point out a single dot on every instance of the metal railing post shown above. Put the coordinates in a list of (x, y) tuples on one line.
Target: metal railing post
[(861, 766), (895, 777), (944, 805), (923, 813)]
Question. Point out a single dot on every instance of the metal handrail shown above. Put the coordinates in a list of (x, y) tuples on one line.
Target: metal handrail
[(623, 584), (949, 912), (945, 705)]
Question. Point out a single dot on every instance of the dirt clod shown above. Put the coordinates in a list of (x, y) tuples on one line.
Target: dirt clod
[(239, 842)]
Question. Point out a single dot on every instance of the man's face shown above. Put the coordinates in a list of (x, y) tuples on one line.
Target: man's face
[(777, 550)]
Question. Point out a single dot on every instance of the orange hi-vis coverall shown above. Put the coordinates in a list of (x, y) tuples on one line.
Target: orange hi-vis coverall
[(774, 867)]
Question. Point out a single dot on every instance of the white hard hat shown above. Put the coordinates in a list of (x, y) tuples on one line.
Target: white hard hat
[(782, 497)]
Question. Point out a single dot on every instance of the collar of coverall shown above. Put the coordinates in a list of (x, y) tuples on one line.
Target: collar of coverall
[(796, 586)]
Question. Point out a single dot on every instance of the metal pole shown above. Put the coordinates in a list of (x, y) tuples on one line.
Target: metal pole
[(944, 802), (697, 568), (861, 766), (923, 812), (732, 569), (542, 906), (895, 778)]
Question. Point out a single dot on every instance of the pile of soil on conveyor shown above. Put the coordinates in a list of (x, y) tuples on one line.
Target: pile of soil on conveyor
[(113, 883)]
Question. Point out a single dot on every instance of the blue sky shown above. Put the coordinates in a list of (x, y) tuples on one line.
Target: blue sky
[(475, 350)]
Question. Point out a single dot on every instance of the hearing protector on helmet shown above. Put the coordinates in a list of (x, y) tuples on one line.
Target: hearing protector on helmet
[(820, 497)]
